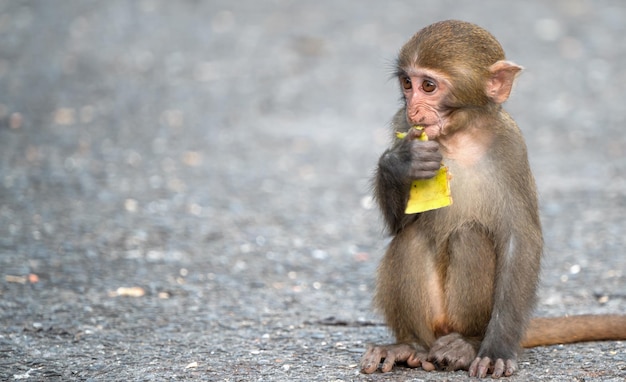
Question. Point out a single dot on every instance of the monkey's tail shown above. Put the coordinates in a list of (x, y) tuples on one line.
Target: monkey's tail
[(564, 330)]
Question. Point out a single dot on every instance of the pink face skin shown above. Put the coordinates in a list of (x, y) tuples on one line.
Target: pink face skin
[(424, 90)]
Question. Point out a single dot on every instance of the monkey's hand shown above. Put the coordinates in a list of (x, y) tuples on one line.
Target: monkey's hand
[(392, 354), (497, 368), (419, 159)]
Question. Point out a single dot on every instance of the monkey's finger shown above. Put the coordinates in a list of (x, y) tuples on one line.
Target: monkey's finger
[(431, 165), (451, 363), (424, 171), (473, 369), (396, 353), (371, 359), (413, 134), (498, 369), (421, 175), (428, 366), (421, 157), (511, 366), (369, 367), (425, 145), (388, 363), (480, 367), (399, 353), (417, 359)]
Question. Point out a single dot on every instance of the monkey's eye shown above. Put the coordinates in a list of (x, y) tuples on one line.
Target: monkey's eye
[(406, 83), (428, 86)]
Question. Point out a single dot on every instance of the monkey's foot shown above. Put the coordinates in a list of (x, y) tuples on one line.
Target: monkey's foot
[(485, 365), (452, 352), (392, 354)]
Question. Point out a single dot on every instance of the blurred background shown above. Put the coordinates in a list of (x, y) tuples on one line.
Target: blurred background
[(185, 186)]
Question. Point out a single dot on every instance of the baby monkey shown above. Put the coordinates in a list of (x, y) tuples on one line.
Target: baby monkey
[(458, 284)]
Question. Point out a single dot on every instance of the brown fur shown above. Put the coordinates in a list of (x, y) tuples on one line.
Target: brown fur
[(564, 330), (458, 284)]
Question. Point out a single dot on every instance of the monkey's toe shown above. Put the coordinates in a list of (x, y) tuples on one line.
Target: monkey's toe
[(389, 355), (452, 352), (481, 367)]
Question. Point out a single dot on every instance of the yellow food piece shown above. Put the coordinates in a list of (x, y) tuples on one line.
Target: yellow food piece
[(400, 134), (428, 194), (422, 137)]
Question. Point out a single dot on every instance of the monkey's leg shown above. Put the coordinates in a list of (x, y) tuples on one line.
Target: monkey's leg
[(469, 281), (410, 296)]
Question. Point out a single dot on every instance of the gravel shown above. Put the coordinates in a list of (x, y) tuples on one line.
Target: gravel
[(184, 186)]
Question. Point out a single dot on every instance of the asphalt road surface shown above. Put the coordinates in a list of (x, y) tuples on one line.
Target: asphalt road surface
[(184, 186)]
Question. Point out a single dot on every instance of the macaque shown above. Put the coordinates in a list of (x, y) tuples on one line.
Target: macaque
[(458, 284)]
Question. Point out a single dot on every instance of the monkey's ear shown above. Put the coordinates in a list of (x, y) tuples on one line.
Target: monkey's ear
[(500, 83)]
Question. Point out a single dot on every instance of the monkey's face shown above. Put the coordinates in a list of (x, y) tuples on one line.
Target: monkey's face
[(460, 53), (424, 92)]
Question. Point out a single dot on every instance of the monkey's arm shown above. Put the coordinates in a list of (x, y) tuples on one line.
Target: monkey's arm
[(408, 159), (516, 279)]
